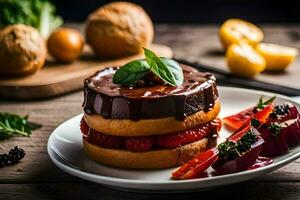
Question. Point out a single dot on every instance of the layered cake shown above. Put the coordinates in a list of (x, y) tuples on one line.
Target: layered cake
[(151, 124)]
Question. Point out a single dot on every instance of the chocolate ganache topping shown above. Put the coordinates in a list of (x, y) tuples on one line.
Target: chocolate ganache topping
[(101, 96)]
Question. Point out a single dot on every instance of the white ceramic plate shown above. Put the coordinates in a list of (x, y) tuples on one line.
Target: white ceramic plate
[(65, 150)]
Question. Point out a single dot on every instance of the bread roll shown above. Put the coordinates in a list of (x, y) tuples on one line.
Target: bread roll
[(22, 50), (119, 29)]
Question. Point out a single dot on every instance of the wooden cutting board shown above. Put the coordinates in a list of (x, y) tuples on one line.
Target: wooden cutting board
[(57, 79)]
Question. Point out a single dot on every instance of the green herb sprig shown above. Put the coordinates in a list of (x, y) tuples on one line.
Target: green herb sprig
[(166, 69), (261, 103), (255, 123), (229, 150), (275, 129), (12, 124)]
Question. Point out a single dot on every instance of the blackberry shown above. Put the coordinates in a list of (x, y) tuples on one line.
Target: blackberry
[(281, 110), (3, 160), (13, 157)]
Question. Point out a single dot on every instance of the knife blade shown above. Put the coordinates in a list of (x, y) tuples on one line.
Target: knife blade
[(227, 79)]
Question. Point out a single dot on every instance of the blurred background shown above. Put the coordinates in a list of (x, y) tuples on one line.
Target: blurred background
[(188, 11)]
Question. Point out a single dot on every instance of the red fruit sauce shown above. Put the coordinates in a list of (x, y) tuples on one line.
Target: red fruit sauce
[(261, 162)]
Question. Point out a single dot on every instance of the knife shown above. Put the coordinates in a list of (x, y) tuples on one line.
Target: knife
[(227, 79)]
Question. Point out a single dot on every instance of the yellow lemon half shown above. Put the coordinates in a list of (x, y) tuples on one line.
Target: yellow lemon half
[(235, 31), (277, 57), (243, 60)]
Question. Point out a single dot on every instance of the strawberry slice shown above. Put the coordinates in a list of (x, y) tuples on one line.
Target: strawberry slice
[(196, 166), (103, 140), (139, 144), (174, 140), (84, 128), (233, 122)]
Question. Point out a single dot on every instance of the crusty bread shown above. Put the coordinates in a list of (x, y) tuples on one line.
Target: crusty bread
[(119, 29), (22, 50), (146, 127), (145, 160)]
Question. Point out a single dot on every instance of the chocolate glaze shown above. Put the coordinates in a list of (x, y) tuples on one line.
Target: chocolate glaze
[(112, 101)]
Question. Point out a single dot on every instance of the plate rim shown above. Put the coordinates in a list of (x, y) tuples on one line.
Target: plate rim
[(111, 180)]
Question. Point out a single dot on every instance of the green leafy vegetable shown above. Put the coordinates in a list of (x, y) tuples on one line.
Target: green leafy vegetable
[(37, 13), (166, 69), (11, 124), (130, 73)]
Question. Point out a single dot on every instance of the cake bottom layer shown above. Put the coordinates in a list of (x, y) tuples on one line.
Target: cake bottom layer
[(145, 160)]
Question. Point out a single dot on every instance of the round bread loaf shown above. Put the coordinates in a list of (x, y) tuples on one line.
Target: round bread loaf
[(119, 29), (145, 160), (22, 50)]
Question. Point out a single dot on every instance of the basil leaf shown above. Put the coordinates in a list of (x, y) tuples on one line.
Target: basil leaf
[(175, 68), (130, 73), (167, 69)]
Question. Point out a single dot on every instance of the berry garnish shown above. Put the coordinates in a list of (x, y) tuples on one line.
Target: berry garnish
[(139, 144), (282, 109), (14, 156)]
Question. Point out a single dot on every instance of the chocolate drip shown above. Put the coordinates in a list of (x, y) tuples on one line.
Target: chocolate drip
[(89, 101), (106, 106), (208, 97), (180, 107), (112, 101), (134, 109)]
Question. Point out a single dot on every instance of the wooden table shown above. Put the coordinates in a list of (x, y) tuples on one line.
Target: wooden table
[(36, 177)]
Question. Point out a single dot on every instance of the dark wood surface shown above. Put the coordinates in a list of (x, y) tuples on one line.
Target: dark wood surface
[(36, 177)]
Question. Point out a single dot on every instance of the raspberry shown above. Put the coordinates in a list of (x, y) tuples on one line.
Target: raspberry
[(174, 140), (84, 128), (108, 141), (139, 144)]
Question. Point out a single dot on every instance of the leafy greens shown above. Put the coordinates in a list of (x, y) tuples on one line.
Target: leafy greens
[(40, 14)]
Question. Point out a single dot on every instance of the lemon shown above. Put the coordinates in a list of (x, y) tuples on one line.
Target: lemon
[(235, 31), (277, 57), (243, 60)]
